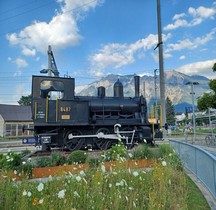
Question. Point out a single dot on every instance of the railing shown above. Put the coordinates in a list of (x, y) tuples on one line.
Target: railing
[(200, 162)]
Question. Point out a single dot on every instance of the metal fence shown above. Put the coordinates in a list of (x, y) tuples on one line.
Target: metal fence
[(200, 162)]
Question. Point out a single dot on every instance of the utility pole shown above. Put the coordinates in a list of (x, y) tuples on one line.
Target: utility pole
[(161, 68), (144, 90), (194, 117), (155, 85)]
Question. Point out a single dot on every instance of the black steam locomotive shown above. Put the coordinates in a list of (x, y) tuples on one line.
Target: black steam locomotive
[(64, 120)]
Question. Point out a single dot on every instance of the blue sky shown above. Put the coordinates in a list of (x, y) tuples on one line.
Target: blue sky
[(92, 38)]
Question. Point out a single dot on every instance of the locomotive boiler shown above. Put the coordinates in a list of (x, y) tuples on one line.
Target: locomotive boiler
[(62, 119)]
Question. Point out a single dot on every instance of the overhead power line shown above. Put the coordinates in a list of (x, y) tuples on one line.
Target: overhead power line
[(30, 10), (17, 7)]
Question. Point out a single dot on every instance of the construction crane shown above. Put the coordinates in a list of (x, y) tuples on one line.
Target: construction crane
[(52, 67)]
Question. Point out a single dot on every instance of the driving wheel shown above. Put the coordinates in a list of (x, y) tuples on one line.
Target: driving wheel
[(102, 143), (71, 142)]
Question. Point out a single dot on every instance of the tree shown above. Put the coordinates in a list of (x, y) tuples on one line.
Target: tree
[(208, 100), (214, 67), (205, 101), (25, 100), (170, 112)]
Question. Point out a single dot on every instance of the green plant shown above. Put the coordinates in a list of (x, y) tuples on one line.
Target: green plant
[(116, 152), (93, 162), (25, 152), (25, 168), (10, 160), (141, 152), (43, 162), (165, 150), (57, 159), (77, 156)]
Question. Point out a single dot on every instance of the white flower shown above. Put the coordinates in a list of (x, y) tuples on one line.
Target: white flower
[(41, 201), (61, 194), (50, 178), (40, 187), (117, 184), (29, 194), (121, 183), (23, 162), (15, 172), (85, 180), (134, 204), (82, 173), (78, 178), (76, 194), (110, 185), (70, 174), (103, 169), (164, 163), (135, 173), (24, 193)]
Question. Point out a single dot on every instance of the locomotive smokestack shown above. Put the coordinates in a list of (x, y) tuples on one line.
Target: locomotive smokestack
[(137, 85)]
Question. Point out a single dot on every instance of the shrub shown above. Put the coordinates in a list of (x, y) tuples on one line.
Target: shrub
[(43, 162), (142, 152), (77, 156), (116, 152), (57, 159)]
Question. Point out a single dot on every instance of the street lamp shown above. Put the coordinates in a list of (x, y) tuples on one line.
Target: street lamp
[(194, 117)]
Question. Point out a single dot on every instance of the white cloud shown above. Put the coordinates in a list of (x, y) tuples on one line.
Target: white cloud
[(182, 57), (20, 90), (202, 12), (191, 43), (117, 55), (28, 52), (178, 23), (61, 32), (203, 68), (177, 16), (197, 16), (21, 63)]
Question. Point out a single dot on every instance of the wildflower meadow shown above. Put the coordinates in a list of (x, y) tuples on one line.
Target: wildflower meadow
[(162, 186)]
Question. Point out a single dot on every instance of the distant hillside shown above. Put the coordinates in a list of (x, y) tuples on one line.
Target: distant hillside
[(175, 86)]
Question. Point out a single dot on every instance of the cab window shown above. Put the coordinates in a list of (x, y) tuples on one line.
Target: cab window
[(51, 89)]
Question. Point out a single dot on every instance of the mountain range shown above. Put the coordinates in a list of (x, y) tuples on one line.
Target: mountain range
[(175, 87)]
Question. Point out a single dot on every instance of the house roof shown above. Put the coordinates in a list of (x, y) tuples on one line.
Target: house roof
[(15, 112)]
